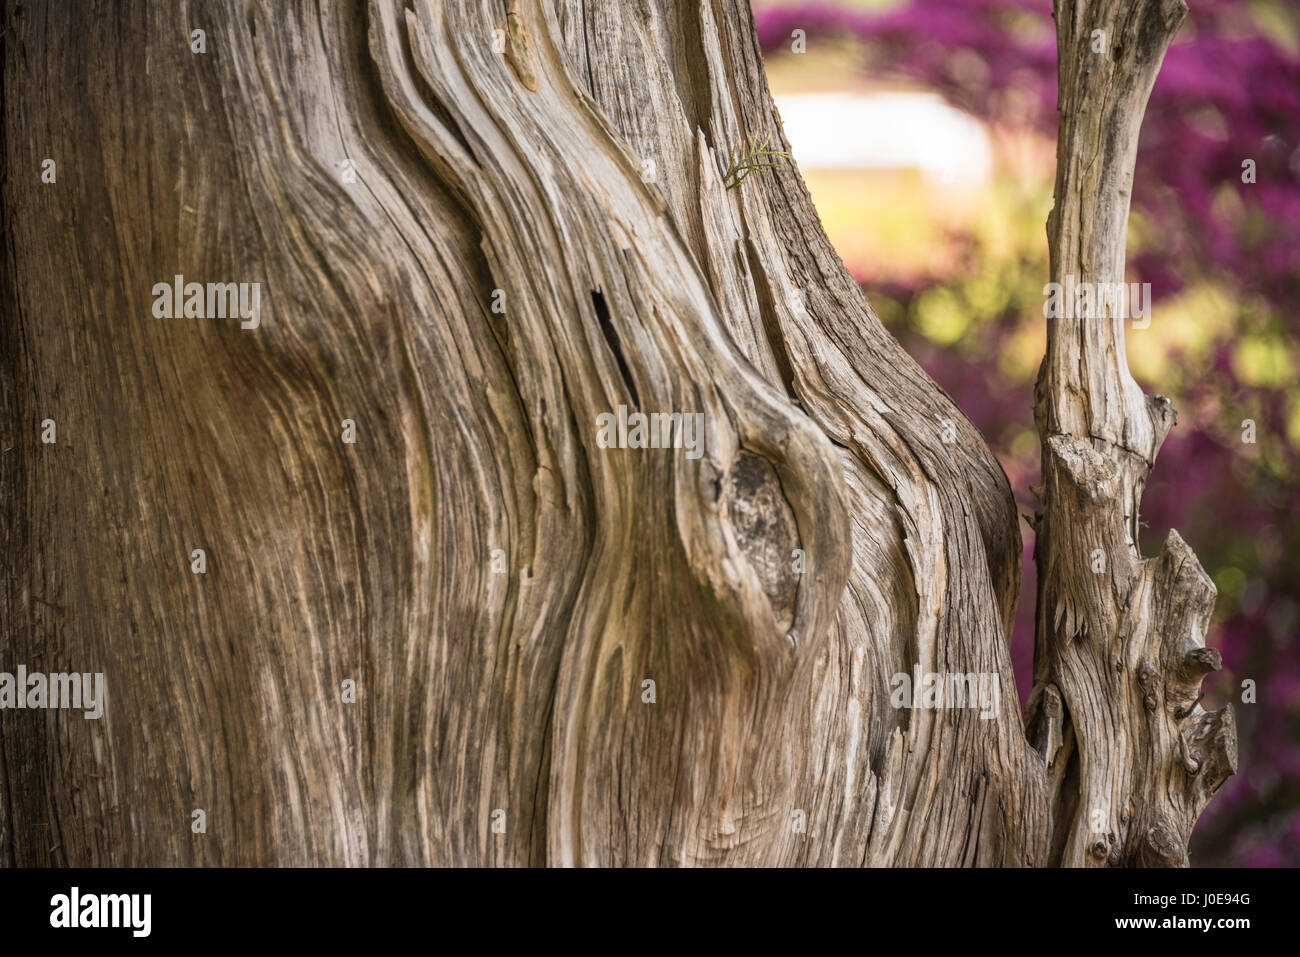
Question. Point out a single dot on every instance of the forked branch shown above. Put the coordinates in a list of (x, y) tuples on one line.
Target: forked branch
[(1119, 656)]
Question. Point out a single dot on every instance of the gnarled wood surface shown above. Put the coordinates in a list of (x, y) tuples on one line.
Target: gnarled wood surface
[(1120, 651), (565, 159)]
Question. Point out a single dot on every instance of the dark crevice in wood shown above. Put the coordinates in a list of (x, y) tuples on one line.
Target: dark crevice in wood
[(692, 76), (612, 340), (771, 322)]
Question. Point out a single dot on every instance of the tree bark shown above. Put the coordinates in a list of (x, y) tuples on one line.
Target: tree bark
[(1120, 651), (500, 586)]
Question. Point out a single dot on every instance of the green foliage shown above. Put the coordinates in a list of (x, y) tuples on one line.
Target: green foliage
[(747, 156)]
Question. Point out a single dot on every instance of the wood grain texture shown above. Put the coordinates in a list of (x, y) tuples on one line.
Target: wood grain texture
[(1120, 650), (565, 159)]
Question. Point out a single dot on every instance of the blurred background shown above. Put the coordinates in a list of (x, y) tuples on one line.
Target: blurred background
[(926, 132)]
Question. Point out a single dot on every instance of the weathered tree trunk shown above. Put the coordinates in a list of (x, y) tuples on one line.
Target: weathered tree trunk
[(501, 587), (1120, 651)]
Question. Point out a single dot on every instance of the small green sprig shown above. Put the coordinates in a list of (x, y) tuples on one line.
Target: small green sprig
[(748, 156)]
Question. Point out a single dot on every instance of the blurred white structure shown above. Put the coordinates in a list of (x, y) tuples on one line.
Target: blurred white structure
[(886, 131)]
